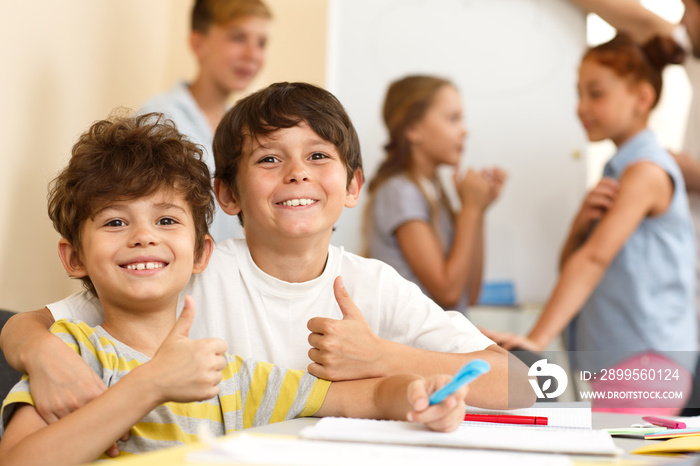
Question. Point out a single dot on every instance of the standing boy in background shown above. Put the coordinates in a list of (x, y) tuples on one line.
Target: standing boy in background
[(228, 38), (132, 208)]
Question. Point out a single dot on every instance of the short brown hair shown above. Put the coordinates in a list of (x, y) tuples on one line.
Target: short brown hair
[(127, 158), (208, 12), (284, 105)]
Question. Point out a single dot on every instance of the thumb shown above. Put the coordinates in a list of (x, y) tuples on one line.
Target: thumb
[(184, 322), (418, 395), (347, 306)]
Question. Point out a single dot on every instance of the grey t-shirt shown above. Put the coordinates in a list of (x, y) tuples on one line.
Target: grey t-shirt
[(395, 203)]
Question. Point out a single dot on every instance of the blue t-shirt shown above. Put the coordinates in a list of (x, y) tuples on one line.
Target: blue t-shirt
[(179, 105), (645, 300)]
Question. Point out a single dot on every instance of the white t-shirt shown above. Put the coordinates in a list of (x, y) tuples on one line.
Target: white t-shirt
[(265, 318)]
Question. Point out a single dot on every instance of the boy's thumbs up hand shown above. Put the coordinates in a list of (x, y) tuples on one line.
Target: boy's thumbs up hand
[(344, 349), (184, 323), (185, 370)]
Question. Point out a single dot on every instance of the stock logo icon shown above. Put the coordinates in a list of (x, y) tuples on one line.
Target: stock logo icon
[(551, 371)]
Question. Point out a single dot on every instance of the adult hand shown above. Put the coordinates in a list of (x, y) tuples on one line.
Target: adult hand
[(510, 341), (445, 416), (474, 189), (344, 349), (185, 370), (690, 169), (597, 203)]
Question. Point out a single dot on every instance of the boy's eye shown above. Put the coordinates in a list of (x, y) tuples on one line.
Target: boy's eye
[(237, 37), (268, 159), (115, 223), (318, 156), (167, 221)]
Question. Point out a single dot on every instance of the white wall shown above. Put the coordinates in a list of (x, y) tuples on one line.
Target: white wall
[(515, 64)]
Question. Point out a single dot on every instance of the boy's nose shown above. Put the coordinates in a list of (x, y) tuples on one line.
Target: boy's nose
[(297, 172), (142, 236), (253, 51)]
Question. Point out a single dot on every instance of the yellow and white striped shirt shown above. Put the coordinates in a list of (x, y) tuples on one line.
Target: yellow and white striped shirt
[(251, 393)]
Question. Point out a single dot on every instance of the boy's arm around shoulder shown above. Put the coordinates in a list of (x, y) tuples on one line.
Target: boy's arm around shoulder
[(182, 370), (61, 381), (30, 440)]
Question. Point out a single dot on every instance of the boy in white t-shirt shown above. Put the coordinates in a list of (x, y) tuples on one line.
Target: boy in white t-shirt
[(287, 163), (133, 209)]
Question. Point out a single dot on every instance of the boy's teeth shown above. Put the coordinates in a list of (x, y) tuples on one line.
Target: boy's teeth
[(145, 266), (296, 202)]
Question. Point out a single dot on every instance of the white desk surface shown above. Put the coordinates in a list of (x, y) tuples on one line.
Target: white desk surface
[(176, 456)]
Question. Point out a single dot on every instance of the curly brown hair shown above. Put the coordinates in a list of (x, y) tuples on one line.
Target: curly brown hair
[(125, 158)]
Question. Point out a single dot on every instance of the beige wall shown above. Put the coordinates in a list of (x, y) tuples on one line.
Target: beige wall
[(66, 64)]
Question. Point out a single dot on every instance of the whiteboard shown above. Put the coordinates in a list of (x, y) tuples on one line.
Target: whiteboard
[(515, 64)]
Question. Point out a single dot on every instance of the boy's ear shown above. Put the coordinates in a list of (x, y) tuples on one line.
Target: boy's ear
[(197, 44), (201, 263), (69, 259), (352, 195), (227, 200)]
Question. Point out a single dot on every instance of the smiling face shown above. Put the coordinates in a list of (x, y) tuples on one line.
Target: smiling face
[(138, 251), (439, 136), (292, 184), (609, 106), (231, 55)]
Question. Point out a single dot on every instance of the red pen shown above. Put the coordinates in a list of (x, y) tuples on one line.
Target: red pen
[(507, 419), (661, 422)]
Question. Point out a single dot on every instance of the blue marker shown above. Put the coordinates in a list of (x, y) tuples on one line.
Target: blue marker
[(465, 375)]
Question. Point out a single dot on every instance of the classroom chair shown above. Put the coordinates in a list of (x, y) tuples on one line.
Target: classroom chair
[(8, 376)]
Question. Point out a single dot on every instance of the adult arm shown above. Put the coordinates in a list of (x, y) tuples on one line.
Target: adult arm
[(61, 381), (645, 190), (628, 16), (348, 349), (182, 370), (691, 171), (400, 397)]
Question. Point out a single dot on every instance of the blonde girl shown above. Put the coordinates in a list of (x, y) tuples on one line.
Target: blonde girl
[(410, 223)]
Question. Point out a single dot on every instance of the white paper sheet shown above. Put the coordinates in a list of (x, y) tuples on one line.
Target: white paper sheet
[(469, 435), (274, 450)]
